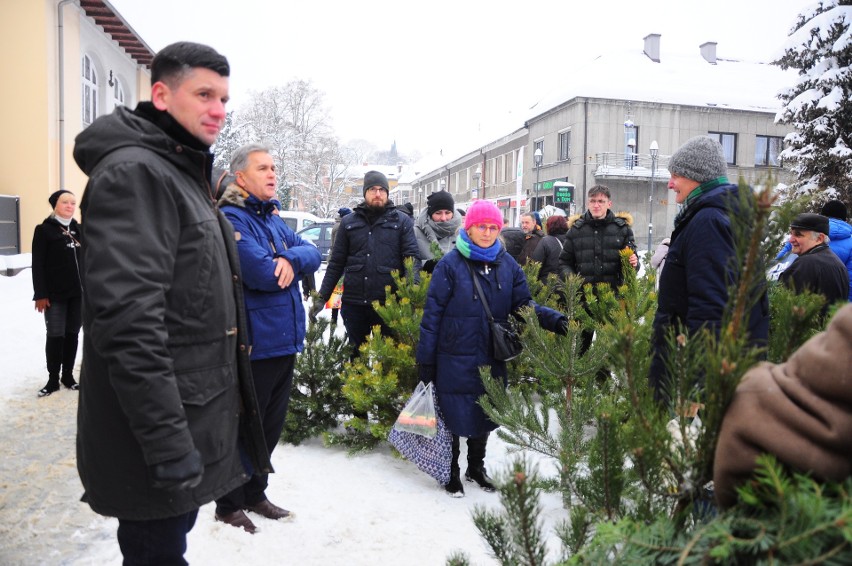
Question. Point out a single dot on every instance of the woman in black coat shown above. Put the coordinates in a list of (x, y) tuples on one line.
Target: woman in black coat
[(548, 251), (56, 288)]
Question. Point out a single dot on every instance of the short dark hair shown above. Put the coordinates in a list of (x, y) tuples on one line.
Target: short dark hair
[(174, 61), (600, 190)]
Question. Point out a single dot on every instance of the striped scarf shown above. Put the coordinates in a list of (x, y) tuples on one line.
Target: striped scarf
[(471, 251)]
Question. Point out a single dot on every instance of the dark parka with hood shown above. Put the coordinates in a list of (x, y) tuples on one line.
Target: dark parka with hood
[(165, 362), (694, 284)]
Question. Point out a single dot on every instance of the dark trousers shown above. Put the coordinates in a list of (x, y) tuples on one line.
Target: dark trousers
[(359, 320), (475, 453), (158, 542), (273, 379), (63, 320)]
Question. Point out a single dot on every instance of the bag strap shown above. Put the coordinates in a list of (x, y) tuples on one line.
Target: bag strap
[(479, 290)]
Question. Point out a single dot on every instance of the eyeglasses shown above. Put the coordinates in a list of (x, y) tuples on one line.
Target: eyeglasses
[(597, 201), (374, 189), (484, 228)]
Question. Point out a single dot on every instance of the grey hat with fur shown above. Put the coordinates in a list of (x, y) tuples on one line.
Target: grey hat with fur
[(700, 159)]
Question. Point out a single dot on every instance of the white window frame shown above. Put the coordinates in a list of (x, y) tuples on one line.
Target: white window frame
[(89, 81), (117, 92), (728, 140), (565, 145), (765, 155)]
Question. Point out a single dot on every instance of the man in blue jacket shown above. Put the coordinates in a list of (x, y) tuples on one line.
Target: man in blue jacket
[(272, 260), (372, 242), (694, 285)]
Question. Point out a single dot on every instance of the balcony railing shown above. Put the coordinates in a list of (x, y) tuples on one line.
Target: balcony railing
[(629, 165)]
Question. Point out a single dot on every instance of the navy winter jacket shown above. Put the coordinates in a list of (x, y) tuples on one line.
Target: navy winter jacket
[(365, 254), (276, 316), (455, 336), (694, 285)]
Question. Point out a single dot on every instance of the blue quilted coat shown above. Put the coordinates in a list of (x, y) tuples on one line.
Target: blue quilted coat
[(455, 336), (276, 316)]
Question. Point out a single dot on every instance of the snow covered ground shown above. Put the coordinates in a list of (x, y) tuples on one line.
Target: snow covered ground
[(362, 510)]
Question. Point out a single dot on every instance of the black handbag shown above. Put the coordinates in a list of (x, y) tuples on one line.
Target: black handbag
[(505, 340)]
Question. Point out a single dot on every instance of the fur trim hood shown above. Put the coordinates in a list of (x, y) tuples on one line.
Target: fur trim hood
[(622, 216)]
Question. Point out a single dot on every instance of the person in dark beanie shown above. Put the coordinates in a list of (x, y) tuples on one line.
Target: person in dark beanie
[(408, 208), (57, 291), (167, 419), (437, 224), (694, 285), (816, 269), (372, 242)]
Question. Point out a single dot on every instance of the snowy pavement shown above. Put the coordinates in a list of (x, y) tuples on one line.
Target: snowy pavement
[(362, 510)]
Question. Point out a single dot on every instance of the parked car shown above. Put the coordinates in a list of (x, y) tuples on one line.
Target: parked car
[(298, 220), (319, 234)]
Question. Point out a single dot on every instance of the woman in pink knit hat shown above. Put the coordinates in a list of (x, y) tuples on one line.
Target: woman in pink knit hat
[(455, 335)]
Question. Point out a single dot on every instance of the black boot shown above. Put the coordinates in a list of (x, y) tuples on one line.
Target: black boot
[(53, 353), (455, 487), (476, 463), (69, 356)]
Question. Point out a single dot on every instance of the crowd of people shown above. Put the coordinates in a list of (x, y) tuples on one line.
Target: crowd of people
[(193, 317)]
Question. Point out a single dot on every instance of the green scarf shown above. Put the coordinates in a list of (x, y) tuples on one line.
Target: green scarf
[(696, 193)]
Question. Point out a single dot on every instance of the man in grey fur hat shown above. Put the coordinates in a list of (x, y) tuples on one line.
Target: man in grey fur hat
[(694, 285)]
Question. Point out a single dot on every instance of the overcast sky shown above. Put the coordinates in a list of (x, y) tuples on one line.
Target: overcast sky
[(437, 74)]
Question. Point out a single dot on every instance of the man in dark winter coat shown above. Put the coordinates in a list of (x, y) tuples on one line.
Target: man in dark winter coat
[(372, 242), (531, 225), (272, 259), (165, 366), (816, 269), (694, 285), (593, 245)]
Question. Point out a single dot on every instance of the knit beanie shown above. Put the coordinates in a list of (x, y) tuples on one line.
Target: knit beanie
[(375, 178), (483, 211), (54, 198), (343, 211), (835, 209), (700, 159), (442, 200)]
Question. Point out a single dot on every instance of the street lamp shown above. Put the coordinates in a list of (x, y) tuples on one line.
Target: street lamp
[(655, 150), (477, 175), (443, 184), (537, 158)]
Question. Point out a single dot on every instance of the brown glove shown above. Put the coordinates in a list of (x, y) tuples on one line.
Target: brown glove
[(800, 411)]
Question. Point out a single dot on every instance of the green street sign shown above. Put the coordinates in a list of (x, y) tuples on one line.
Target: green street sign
[(563, 193)]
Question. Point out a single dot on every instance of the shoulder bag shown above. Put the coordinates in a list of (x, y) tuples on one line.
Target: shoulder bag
[(504, 339)]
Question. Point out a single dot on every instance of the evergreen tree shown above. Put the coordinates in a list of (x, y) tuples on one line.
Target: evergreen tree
[(635, 477), (819, 105), (316, 401)]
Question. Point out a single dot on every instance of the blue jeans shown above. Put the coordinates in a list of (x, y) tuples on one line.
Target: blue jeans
[(157, 542)]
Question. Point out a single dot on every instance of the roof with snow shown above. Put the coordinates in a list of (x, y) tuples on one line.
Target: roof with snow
[(678, 78)]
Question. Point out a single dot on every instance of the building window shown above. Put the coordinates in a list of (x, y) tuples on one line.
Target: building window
[(729, 145), (766, 151), (631, 157), (117, 93), (90, 91), (565, 146)]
